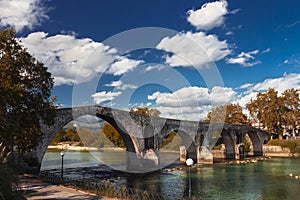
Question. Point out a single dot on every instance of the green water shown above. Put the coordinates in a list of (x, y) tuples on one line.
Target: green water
[(264, 180)]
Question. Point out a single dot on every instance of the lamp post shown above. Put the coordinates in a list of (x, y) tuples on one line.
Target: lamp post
[(189, 162), (62, 166)]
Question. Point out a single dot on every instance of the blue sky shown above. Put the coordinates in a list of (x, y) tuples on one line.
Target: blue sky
[(197, 55)]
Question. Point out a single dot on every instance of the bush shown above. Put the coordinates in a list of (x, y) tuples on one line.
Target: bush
[(8, 184)]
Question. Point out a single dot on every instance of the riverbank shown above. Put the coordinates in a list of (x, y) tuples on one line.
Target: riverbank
[(82, 148), (35, 189)]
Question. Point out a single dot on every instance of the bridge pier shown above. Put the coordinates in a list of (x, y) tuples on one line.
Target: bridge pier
[(142, 162), (204, 155), (200, 155)]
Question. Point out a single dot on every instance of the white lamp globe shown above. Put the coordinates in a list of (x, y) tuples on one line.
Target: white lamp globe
[(189, 162)]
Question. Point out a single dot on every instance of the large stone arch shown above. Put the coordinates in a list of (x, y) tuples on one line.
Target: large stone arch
[(64, 116)]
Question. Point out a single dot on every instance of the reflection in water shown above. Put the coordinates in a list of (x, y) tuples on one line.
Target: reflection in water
[(265, 180)]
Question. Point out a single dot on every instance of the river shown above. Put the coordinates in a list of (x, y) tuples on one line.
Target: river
[(268, 179)]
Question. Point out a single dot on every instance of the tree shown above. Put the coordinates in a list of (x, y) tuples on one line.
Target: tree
[(69, 135), (113, 135), (228, 113), (9, 184), (268, 110), (153, 112), (291, 112), (25, 89)]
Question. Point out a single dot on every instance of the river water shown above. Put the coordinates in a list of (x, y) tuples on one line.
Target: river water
[(268, 179)]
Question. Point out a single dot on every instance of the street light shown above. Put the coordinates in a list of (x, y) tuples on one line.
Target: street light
[(62, 165), (189, 162)]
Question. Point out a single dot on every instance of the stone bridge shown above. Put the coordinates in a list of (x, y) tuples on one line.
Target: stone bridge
[(143, 136)]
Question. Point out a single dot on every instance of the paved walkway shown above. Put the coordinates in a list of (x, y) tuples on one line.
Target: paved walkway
[(36, 189)]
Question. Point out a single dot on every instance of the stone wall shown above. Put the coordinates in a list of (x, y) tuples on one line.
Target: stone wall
[(278, 151)]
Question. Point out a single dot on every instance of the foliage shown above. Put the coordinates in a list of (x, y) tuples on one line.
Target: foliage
[(25, 87), (293, 145), (62, 135), (228, 113), (8, 184), (291, 113), (113, 135), (274, 112), (247, 146), (168, 139), (145, 111)]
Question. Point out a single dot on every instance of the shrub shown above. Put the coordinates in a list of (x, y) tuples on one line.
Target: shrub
[(8, 184)]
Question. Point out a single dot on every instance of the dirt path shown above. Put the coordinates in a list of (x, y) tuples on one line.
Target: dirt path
[(36, 189)]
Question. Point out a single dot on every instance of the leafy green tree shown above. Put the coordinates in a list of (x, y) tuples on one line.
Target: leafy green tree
[(25, 89), (228, 113)]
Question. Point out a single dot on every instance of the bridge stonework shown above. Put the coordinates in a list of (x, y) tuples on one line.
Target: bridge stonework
[(143, 136)]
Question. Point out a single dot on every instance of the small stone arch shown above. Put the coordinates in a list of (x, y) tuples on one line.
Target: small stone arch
[(257, 144)]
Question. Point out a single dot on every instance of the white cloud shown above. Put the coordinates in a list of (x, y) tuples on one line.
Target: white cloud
[(229, 33), (123, 65), (103, 96), (186, 102), (193, 49), (194, 96), (280, 84), (246, 85), (155, 67), (140, 105), (22, 13), (245, 98), (72, 60), (266, 50), (193, 103), (186, 113), (293, 60), (222, 95), (120, 85), (209, 16), (245, 59)]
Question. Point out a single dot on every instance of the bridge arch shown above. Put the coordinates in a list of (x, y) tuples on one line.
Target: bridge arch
[(195, 135), (229, 142), (65, 116)]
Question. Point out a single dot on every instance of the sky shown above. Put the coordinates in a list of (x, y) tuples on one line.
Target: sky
[(181, 57)]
